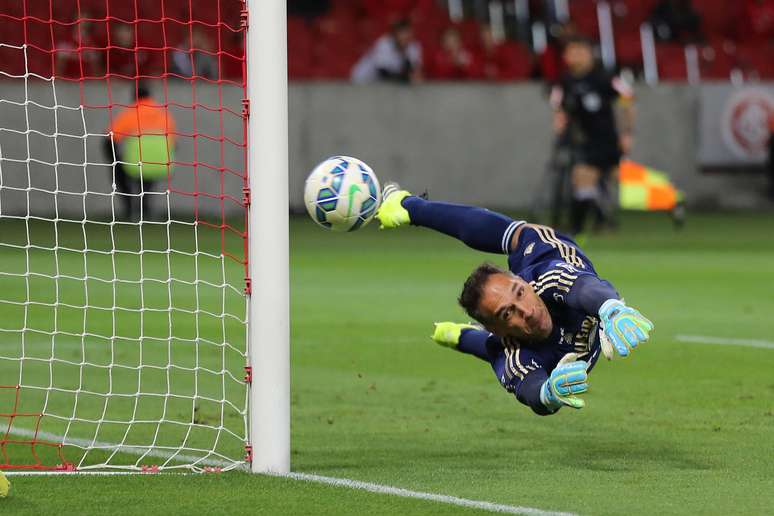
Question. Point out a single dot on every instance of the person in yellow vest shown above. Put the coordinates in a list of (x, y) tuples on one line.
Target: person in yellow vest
[(140, 144)]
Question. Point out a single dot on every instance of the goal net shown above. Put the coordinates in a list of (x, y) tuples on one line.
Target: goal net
[(124, 204)]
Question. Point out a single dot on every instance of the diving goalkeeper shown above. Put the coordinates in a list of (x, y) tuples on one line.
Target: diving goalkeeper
[(546, 318)]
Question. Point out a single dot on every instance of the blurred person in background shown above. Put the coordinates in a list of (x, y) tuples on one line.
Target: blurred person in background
[(198, 60), (758, 21), (394, 57), (676, 20), (452, 61), (584, 103), (492, 62), (77, 56), (487, 60), (140, 144), (550, 62), (122, 57)]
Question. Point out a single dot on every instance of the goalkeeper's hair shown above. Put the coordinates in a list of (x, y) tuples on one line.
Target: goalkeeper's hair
[(470, 297)]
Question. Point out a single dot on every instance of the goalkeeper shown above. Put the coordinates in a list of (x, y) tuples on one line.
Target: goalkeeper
[(546, 318)]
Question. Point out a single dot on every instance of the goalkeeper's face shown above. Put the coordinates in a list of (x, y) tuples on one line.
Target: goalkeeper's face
[(511, 308)]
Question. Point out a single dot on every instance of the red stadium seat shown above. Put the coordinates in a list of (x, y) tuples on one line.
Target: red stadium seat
[(755, 60), (583, 13), (671, 62), (300, 49), (719, 17), (628, 49), (514, 61), (628, 15), (470, 30), (717, 59)]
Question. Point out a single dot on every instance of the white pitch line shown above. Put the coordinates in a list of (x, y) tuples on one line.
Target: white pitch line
[(351, 484), (307, 477), (701, 339), (122, 448), (82, 473), (405, 493)]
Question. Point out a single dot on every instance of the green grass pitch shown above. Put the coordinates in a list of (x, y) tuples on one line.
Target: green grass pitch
[(678, 428)]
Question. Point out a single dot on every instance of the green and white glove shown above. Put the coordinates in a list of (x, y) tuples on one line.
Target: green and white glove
[(623, 328), (448, 333), (567, 380)]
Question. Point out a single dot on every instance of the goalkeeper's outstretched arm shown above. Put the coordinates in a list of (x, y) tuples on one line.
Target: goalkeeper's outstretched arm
[(520, 373), (623, 327)]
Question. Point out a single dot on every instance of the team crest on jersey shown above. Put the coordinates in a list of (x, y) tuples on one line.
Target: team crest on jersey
[(592, 102), (529, 248)]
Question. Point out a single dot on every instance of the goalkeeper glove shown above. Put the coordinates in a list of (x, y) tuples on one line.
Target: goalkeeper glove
[(448, 333), (623, 328), (567, 379)]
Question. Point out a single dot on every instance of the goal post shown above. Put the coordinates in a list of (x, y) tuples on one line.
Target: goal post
[(269, 329), (144, 246)]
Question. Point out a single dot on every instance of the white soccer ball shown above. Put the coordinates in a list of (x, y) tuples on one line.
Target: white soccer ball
[(342, 194)]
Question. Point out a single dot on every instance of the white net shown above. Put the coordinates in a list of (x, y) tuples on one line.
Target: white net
[(122, 303)]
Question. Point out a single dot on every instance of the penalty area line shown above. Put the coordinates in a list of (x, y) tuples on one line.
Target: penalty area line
[(721, 341), (433, 497)]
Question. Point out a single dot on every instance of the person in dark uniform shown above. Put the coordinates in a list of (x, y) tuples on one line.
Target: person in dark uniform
[(584, 103), (545, 319)]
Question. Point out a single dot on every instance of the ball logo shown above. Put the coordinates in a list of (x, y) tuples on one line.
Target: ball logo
[(745, 123)]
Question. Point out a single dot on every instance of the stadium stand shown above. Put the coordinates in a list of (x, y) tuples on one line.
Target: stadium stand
[(326, 48), (737, 36)]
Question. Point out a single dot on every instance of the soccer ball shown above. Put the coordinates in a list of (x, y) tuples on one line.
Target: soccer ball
[(342, 194)]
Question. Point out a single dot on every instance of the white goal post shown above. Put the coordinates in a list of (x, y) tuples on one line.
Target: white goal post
[(269, 304), (144, 236)]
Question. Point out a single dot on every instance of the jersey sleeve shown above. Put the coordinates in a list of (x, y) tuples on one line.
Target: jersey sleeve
[(555, 279), (560, 282), (522, 373)]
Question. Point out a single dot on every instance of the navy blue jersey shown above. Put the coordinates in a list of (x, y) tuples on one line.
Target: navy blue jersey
[(551, 263)]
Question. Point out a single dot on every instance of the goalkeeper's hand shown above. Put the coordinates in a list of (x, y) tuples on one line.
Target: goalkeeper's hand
[(568, 379), (623, 328)]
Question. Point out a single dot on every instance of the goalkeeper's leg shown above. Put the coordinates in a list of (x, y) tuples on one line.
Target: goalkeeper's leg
[(478, 228)]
